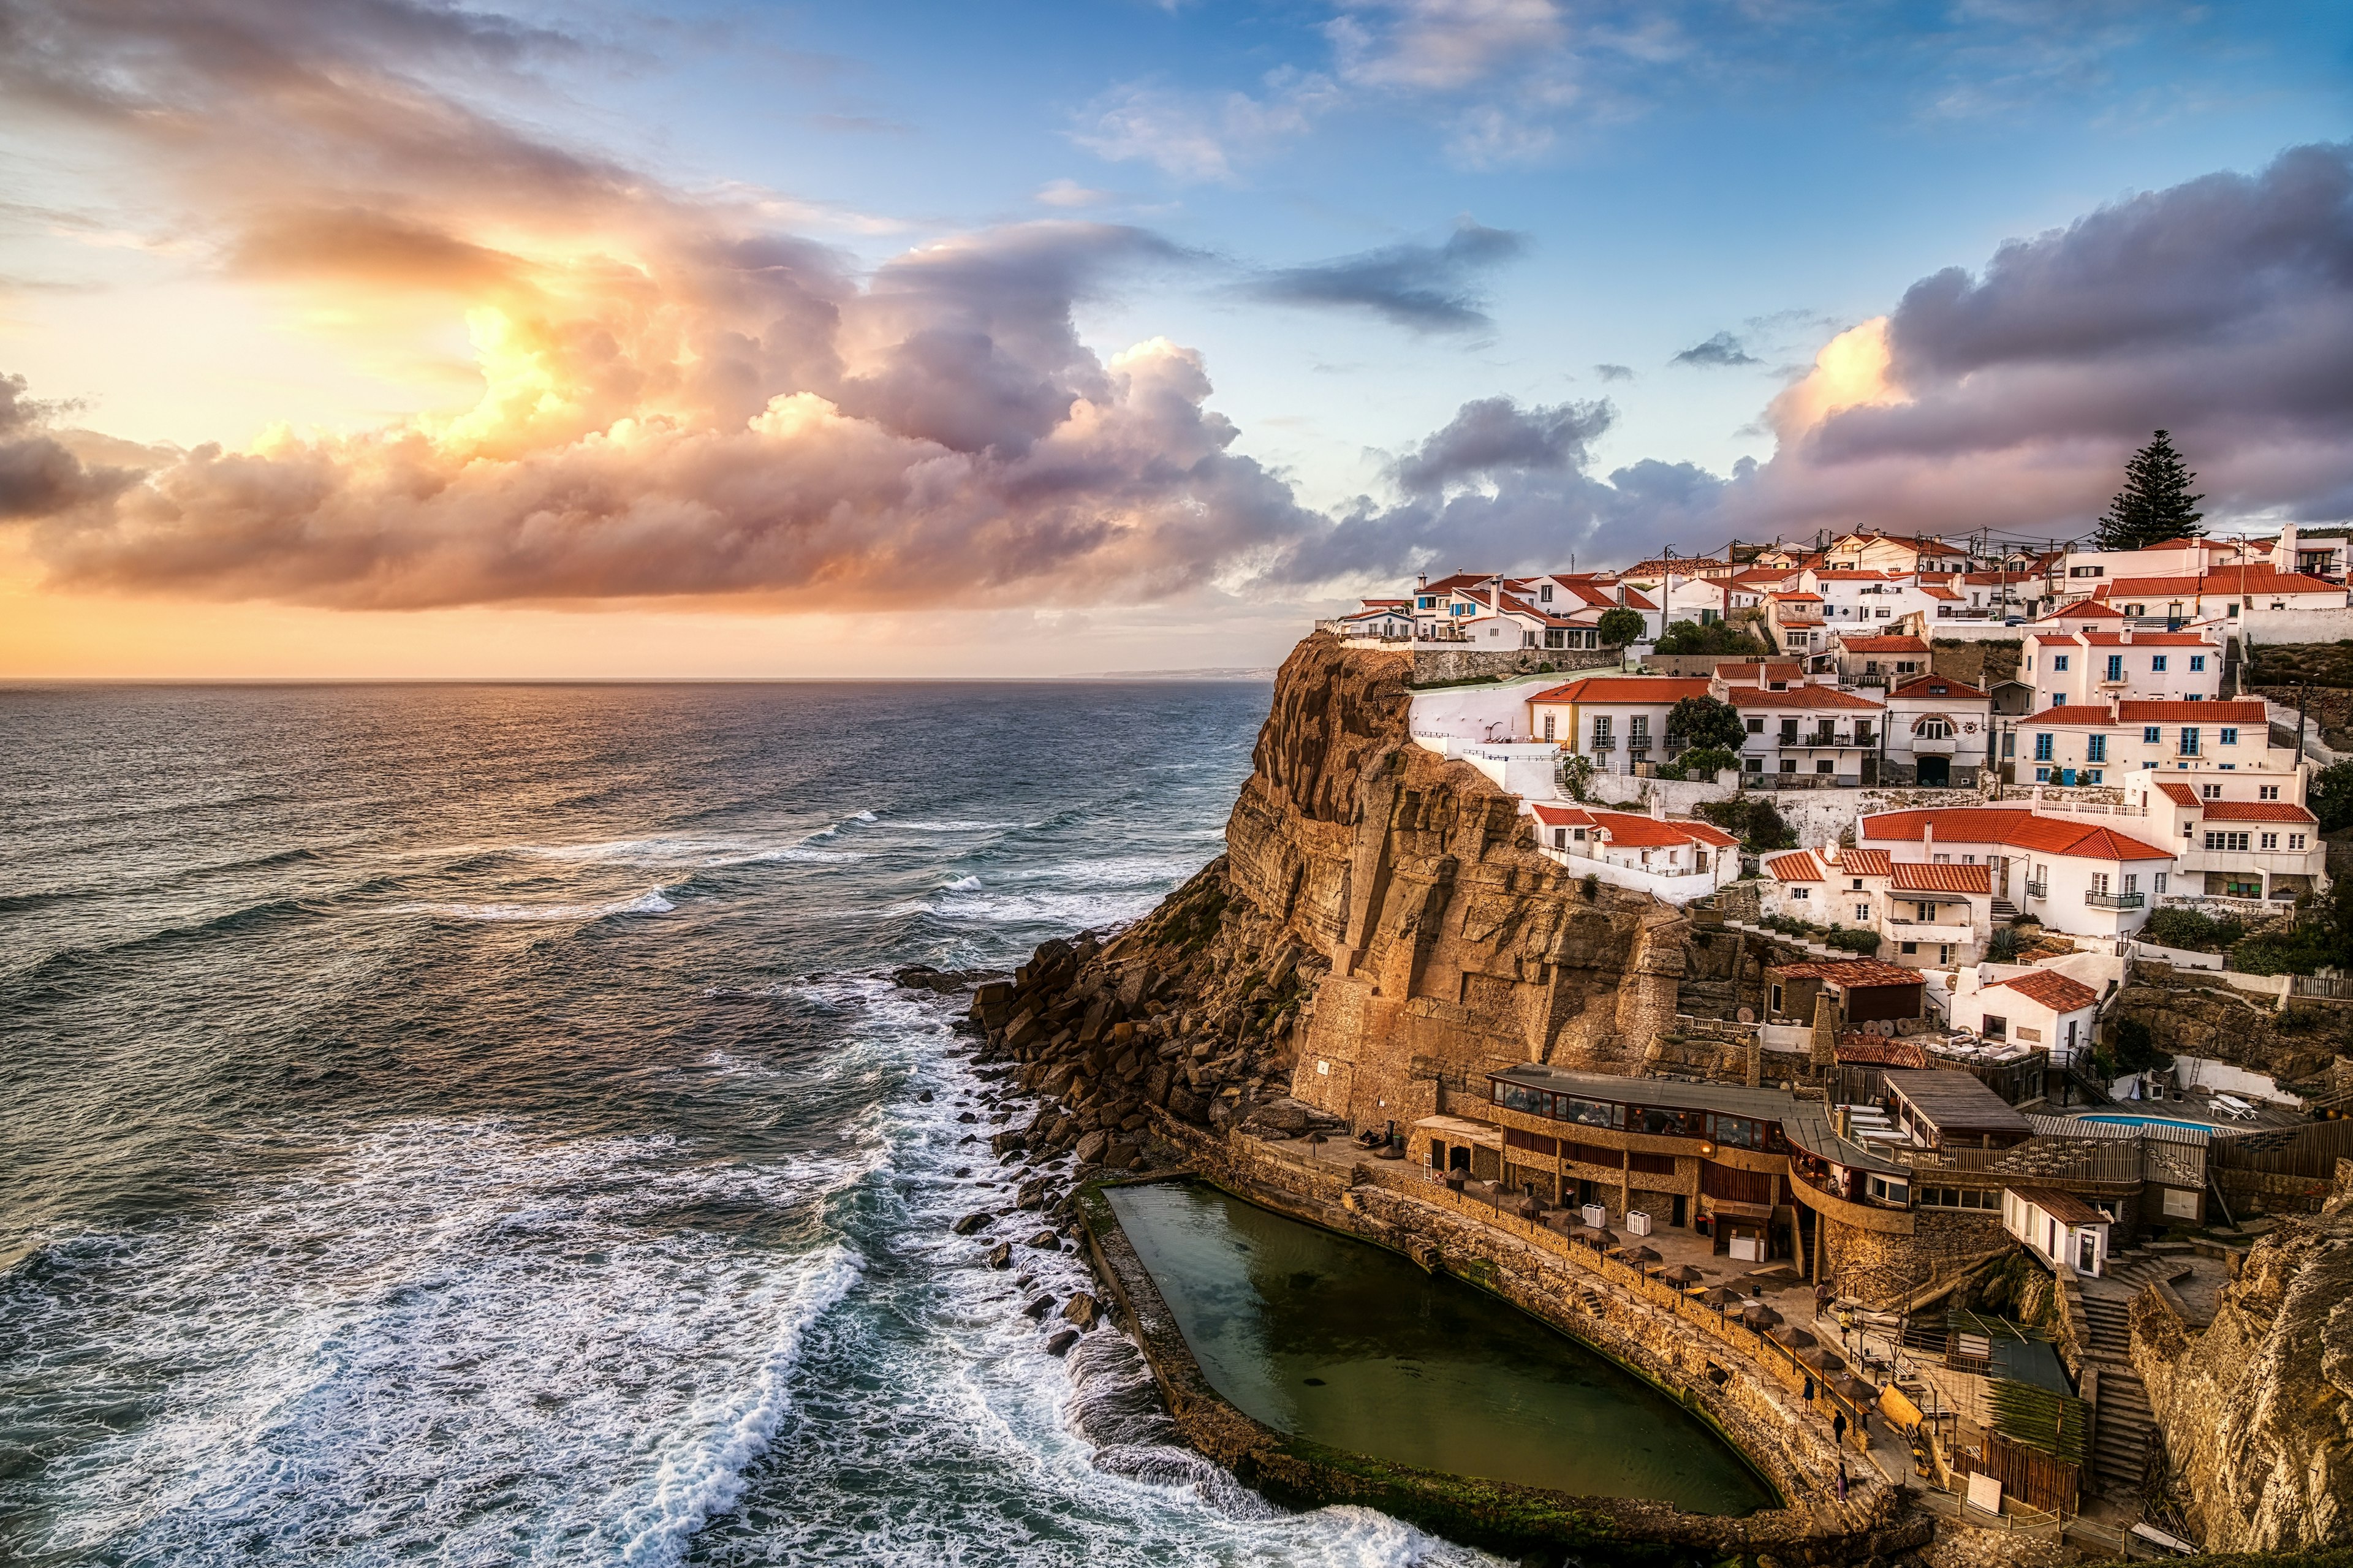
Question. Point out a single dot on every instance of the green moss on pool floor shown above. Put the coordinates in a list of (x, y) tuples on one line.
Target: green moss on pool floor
[(1346, 1344)]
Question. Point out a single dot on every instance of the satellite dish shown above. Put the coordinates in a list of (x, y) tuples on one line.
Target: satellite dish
[(1745, 1015)]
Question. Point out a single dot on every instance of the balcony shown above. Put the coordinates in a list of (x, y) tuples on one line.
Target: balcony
[(2113, 900), (1603, 744), (1920, 930), (2038, 889)]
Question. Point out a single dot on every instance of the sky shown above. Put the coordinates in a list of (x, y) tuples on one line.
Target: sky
[(380, 338)]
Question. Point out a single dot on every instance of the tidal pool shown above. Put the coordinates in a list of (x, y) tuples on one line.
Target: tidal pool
[(1347, 1345)]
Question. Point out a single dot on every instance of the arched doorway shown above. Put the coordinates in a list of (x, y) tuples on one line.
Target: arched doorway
[(1935, 772)]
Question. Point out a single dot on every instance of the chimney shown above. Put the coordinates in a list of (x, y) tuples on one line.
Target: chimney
[(1657, 808), (1969, 980), (2128, 634), (1422, 579), (1928, 838), (2283, 552)]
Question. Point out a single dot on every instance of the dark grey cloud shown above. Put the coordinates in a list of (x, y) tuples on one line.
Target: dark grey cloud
[(1428, 288), (1719, 352), (2221, 309), (1614, 371), (39, 475), (1510, 489)]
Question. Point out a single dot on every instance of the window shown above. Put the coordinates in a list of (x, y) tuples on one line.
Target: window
[(2041, 748), (1601, 731), (1641, 726), (1825, 766), (2043, 775), (2157, 664), (1752, 765), (2008, 744), (1996, 1027), (1560, 837), (1788, 764), (1549, 720), (2188, 743), (2295, 840), (2099, 882), (2058, 664), (2152, 736), (2195, 697), (1757, 726), (2057, 700), (2197, 664), (2227, 735), (2159, 880), (2210, 792), (2269, 841), (2116, 666), (1944, 953), (2096, 749), (2092, 776), (1801, 892), (1544, 595), (2226, 840), (2087, 571), (2267, 791), (1926, 913), (1890, 1190), (1863, 913), (1935, 730), (1911, 947), (1858, 884)]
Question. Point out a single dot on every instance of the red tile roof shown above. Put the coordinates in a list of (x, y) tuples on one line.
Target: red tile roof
[(1862, 862), (2146, 639), (1913, 876), (1792, 598), (2016, 827), (2089, 610), (1850, 972), (2222, 583), (1561, 816), (1934, 592), (2180, 794), (1626, 688), (1797, 868), (2256, 811), (1938, 686), (1844, 574), (1799, 697), (1651, 833), (2151, 712), (1870, 1050), (2050, 988), (1873, 644)]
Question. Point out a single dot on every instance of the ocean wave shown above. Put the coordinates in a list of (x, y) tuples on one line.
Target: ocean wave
[(649, 903), (961, 885)]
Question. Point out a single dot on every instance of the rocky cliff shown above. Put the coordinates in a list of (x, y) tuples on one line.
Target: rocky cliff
[(1380, 926), (2257, 1407)]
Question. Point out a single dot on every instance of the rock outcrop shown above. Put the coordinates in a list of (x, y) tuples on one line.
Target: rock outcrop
[(2257, 1408), (1380, 928)]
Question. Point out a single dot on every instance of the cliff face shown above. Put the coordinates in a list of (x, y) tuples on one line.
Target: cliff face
[(1381, 922), (2257, 1409)]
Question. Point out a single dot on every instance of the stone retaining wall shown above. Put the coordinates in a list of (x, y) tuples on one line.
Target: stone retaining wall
[(1449, 663)]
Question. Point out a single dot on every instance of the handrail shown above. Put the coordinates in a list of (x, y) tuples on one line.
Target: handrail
[(2113, 901)]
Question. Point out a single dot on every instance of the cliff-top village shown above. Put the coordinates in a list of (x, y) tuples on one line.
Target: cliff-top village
[(1749, 965)]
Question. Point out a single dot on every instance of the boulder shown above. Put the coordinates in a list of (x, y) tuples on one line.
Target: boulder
[(1122, 1156), (1001, 1254), (1062, 1342), (1091, 1148), (1083, 1310), (1045, 1241), (1038, 1307), (973, 1222), (1032, 1195)]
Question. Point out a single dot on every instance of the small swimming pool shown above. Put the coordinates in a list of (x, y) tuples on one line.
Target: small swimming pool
[(2151, 1122)]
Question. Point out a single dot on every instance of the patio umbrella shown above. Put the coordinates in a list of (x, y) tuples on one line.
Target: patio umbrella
[(1822, 1361), (1757, 1315), (1795, 1337), (1640, 1257), (1683, 1274), (1718, 1298), (1596, 1234), (1860, 1392)]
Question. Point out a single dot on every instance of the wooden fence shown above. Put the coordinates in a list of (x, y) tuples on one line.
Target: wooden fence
[(2312, 1149), (2034, 1478)]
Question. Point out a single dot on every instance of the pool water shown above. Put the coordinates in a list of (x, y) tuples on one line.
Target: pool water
[(2149, 1122), (1342, 1342)]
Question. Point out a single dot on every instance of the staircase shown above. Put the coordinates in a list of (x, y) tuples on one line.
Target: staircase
[(2120, 1439), (2003, 910)]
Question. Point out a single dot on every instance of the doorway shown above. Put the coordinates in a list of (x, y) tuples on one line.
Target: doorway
[(1935, 773)]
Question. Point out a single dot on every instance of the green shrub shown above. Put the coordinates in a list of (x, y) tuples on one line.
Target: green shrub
[(1755, 820), (2191, 932), (1592, 886), (2134, 1048), (1619, 627), (1854, 939), (1703, 761), (2001, 947), (2331, 797)]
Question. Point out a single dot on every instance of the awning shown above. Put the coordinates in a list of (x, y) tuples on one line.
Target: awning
[(1761, 1213)]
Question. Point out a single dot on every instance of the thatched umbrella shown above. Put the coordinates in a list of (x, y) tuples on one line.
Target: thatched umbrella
[(1683, 1274), (1718, 1298), (1795, 1337), (1639, 1258), (1822, 1361), (1595, 1236), (1757, 1315), (1858, 1391)]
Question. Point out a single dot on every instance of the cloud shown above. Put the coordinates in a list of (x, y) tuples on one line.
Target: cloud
[(1071, 194), (1494, 436), (1200, 138), (39, 476), (2221, 309), (1614, 371), (1440, 46), (1720, 351), (1428, 287)]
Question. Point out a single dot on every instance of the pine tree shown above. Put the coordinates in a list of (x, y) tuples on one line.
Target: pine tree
[(2156, 504)]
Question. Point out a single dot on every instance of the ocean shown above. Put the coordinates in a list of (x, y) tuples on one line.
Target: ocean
[(473, 1124)]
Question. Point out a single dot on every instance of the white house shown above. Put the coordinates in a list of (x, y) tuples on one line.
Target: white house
[(1797, 887), (1935, 916), (1390, 620), (1880, 659), (2069, 1234), (2222, 591), (1795, 620), (2237, 837), (2105, 742), (1655, 845), (1611, 717), (2078, 875), (1892, 553), (2078, 666), (2039, 1008), (1939, 733), (1813, 732)]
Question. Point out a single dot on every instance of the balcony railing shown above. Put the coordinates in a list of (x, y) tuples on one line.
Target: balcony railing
[(1603, 744), (2038, 889), (2113, 900)]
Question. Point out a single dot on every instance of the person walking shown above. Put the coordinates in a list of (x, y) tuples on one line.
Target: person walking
[(1841, 1480)]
